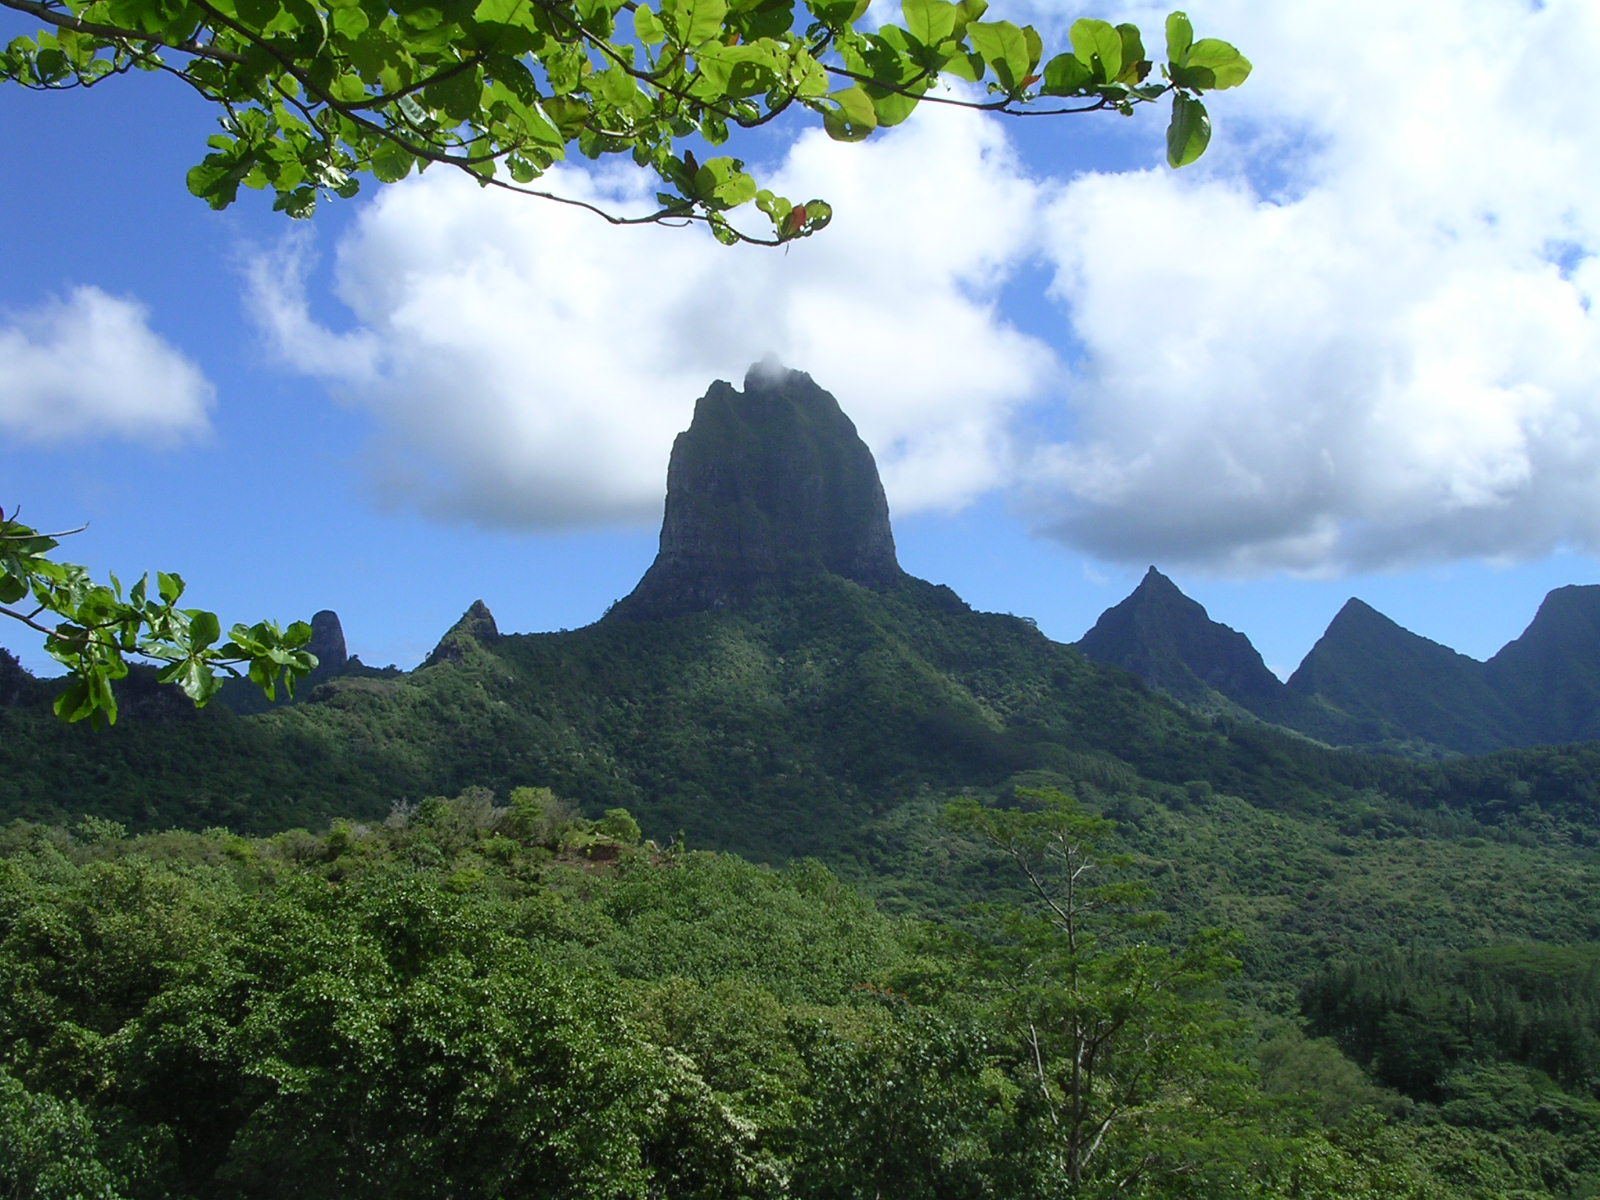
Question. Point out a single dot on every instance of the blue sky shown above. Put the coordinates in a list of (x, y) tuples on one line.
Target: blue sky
[(1353, 352)]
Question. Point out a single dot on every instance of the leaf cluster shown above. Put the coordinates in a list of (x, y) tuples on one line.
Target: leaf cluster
[(314, 94), (98, 627)]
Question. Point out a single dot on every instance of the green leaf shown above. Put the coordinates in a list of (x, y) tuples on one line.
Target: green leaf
[(350, 21), (1196, 79), (392, 162), (732, 71), (694, 21), (76, 702), (1228, 67), (1065, 75), (256, 13), (817, 214), (852, 115), (840, 14), (722, 182), (217, 178), (1180, 36), (458, 95), (777, 208), (762, 19), (929, 21), (1098, 46), (647, 27), (169, 586), (1189, 131), (1005, 48), (964, 66), (892, 107), (1134, 66), (204, 628), (197, 679)]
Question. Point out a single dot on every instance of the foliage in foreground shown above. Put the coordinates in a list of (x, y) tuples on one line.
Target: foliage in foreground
[(313, 95), (479, 1000), (96, 629)]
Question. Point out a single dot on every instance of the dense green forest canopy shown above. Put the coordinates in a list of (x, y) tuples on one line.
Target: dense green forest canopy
[(492, 998), (769, 1032)]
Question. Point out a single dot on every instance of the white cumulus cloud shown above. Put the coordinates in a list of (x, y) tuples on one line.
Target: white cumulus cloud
[(1360, 334), (1365, 336), (529, 366), (89, 366)]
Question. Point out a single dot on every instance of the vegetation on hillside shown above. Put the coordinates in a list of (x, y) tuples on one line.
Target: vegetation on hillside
[(751, 1031), (482, 999)]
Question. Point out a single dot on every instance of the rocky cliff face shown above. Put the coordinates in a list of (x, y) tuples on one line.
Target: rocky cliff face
[(327, 643), (1170, 642), (766, 485)]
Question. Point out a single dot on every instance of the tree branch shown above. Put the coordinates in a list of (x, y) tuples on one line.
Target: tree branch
[(50, 16)]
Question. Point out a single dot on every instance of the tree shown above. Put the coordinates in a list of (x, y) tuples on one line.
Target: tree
[(1118, 1041), (314, 93)]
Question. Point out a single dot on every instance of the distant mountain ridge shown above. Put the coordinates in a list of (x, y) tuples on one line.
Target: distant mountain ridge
[(1552, 672), (1377, 672), (1169, 641), (1369, 682), (775, 684)]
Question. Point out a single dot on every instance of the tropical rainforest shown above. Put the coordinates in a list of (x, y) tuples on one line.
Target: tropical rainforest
[(792, 876)]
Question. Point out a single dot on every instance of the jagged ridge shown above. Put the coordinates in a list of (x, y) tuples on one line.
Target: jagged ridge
[(1169, 641)]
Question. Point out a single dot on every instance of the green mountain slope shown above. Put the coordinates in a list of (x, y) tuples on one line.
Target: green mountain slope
[(1170, 642), (775, 728), (1368, 683), (1379, 673), (774, 681), (1551, 674)]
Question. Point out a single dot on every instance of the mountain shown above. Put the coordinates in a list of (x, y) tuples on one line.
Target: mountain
[(327, 642), (17, 684), (1170, 642), (774, 683), (1551, 674), (766, 486), (1405, 686), (1369, 683), (476, 628)]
